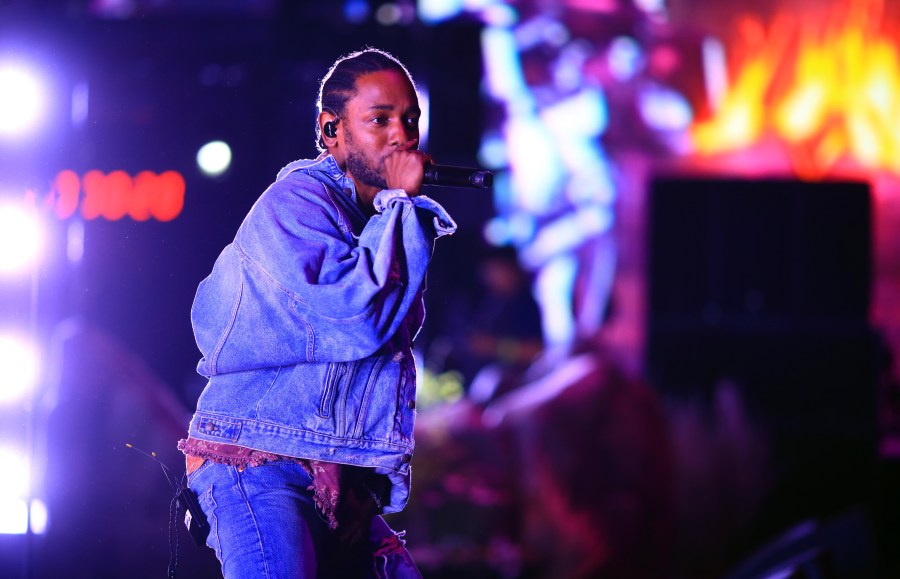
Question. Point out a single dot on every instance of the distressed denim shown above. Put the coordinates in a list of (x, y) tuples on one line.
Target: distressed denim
[(306, 324), (264, 525)]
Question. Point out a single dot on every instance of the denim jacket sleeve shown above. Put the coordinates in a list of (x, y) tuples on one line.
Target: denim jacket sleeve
[(298, 284)]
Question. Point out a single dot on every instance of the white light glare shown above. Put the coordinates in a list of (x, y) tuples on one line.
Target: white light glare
[(20, 372), (663, 109), (214, 158), (433, 11), (14, 484), (502, 67), (715, 71), (496, 231), (38, 517), (425, 114), (14, 490), (499, 14), (21, 101), (21, 238), (14, 518), (651, 5), (492, 152)]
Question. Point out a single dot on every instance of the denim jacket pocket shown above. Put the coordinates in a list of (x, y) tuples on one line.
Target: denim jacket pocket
[(369, 392), (222, 429), (329, 390)]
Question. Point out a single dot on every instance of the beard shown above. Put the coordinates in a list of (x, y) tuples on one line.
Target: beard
[(361, 167)]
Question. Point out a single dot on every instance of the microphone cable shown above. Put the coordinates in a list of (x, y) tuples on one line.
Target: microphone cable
[(197, 525)]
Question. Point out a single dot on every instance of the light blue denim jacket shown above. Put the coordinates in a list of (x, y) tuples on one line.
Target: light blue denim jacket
[(307, 320)]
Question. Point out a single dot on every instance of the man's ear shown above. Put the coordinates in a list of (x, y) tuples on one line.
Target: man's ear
[(328, 129)]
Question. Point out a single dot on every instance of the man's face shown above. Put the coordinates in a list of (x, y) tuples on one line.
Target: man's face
[(361, 167), (381, 117)]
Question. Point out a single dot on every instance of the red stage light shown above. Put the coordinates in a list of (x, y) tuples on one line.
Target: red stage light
[(116, 195)]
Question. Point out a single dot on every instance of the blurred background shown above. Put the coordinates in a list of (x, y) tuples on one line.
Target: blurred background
[(662, 345)]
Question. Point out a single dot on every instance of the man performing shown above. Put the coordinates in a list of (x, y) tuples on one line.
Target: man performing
[(304, 432)]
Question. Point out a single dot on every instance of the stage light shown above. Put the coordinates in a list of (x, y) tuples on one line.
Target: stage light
[(388, 14), (19, 362), (715, 71), (499, 14), (21, 238), (652, 6), (80, 104), (625, 57), (39, 517), (516, 229), (665, 110), (492, 152), (118, 195), (536, 161), (16, 479), (15, 487), (13, 516), (496, 232), (356, 11), (75, 242), (552, 292), (21, 100), (502, 66), (434, 11), (214, 158), (425, 117), (583, 115), (564, 235)]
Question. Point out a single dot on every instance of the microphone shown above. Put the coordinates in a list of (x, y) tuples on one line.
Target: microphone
[(457, 176)]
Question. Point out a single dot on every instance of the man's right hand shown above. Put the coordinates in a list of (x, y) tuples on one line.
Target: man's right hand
[(405, 169)]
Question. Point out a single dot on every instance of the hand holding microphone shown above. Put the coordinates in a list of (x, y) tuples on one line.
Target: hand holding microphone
[(404, 169), (400, 162)]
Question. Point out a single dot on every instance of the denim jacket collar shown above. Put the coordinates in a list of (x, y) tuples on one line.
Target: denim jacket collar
[(326, 165)]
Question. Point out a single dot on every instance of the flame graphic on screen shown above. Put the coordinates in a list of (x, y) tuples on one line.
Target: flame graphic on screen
[(827, 88)]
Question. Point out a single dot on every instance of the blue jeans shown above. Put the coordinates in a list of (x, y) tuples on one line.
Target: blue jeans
[(264, 525)]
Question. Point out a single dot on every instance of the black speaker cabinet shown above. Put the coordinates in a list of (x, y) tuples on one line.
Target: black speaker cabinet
[(748, 254), (766, 284)]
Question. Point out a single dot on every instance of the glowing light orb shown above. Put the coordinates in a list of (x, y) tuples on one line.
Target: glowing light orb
[(20, 368), (21, 238), (21, 101), (214, 158), (14, 491), (16, 475)]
